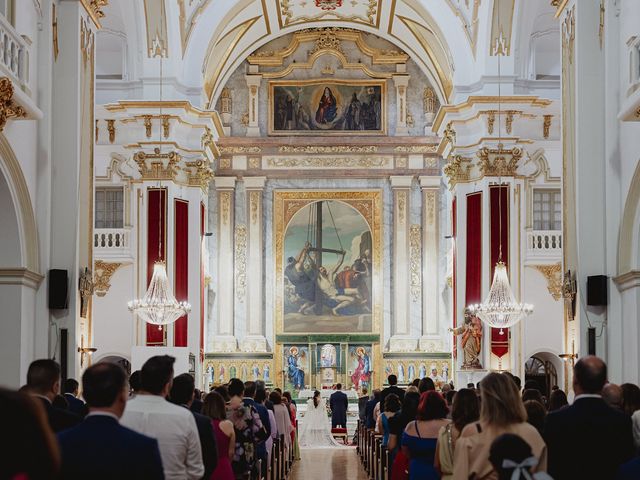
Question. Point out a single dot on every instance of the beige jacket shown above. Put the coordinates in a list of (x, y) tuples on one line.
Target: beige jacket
[(471, 456)]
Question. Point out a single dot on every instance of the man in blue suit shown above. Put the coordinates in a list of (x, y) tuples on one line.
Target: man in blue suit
[(70, 390), (100, 448), (339, 404)]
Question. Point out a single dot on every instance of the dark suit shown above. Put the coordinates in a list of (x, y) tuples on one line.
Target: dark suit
[(392, 389), (369, 420), (587, 440), (196, 406), (630, 470), (339, 404), (207, 443), (102, 449), (362, 405), (76, 405), (59, 420)]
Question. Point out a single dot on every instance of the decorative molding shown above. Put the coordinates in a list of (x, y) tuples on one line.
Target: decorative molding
[(509, 120), (450, 134), (416, 148), (165, 126), (491, 119), (402, 205), (8, 108), (199, 174), (254, 205), (240, 240), (187, 24), (458, 170), (239, 150), (111, 128), (225, 206), (499, 162), (501, 27), (328, 162), (430, 201), (156, 28), (369, 13), (87, 42), (103, 271), (415, 260), (328, 149), (20, 276), (94, 9), (152, 165), (628, 280), (553, 276), (147, 125), (601, 26), (54, 32), (546, 126)]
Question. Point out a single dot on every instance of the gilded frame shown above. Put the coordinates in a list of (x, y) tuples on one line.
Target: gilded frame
[(328, 82), (367, 202)]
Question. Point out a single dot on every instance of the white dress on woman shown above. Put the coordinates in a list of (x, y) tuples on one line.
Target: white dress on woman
[(315, 428)]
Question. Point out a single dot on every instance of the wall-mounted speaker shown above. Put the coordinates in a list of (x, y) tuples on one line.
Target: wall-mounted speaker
[(597, 291), (58, 289)]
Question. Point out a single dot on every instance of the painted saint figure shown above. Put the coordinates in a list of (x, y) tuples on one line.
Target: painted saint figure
[(412, 371), (423, 371), (471, 342), (256, 371), (353, 115), (401, 373), (294, 372), (362, 373), (266, 371), (327, 107), (210, 375)]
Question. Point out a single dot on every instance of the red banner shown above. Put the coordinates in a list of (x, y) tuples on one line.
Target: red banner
[(473, 291), (499, 205), (181, 270), (156, 237)]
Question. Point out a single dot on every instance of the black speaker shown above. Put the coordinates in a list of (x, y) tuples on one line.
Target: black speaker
[(597, 291), (58, 286), (591, 340)]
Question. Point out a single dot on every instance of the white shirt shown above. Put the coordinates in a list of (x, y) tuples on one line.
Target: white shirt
[(175, 429)]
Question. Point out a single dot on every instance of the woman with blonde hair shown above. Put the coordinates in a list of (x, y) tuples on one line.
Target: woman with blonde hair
[(501, 411)]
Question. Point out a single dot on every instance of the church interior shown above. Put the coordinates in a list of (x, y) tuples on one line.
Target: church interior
[(308, 193)]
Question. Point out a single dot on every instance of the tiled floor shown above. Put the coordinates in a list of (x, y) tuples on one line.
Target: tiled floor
[(328, 464)]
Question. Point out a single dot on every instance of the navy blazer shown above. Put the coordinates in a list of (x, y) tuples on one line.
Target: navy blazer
[(339, 404), (369, 420), (102, 449), (208, 443), (587, 440), (76, 405), (59, 419)]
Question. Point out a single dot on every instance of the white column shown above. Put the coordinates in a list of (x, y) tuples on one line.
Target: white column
[(401, 340), (255, 340), (224, 339), (401, 82), (430, 274), (253, 82)]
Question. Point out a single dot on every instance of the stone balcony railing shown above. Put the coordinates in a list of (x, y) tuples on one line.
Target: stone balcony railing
[(14, 55), (544, 244), (111, 243)]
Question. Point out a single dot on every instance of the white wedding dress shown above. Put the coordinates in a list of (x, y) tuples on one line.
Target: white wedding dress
[(315, 428)]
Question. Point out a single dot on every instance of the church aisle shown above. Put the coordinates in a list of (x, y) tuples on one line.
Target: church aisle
[(324, 464)]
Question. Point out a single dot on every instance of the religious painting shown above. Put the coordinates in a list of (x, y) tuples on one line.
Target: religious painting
[(360, 366), (217, 372), (411, 368), (328, 262), (296, 366), (327, 107), (328, 356)]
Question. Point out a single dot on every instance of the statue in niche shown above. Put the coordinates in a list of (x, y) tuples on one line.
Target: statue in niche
[(471, 343), (210, 375), (266, 371), (430, 104)]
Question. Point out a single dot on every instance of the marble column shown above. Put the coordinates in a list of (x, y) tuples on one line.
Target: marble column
[(401, 340), (254, 340), (224, 339), (401, 82), (253, 82), (430, 187)]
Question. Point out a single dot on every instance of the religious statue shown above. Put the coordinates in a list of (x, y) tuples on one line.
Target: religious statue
[(266, 371), (401, 373), (412, 371), (471, 342), (423, 371), (221, 374), (85, 286), (209, 375), (362, 373)]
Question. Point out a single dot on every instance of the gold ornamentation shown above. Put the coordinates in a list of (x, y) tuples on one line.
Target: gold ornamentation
[(553, 276), (328, 162), (241, 261), (147, 125), (199, 174), (207, 140), (239, 150), (103, 271), (85, 287), (8, 108), (509, 120), (87, 43), (401, 197), (450, 134), (226, 103), (165, 126), (327, 40), (458, 170), (225, 163), (415, 260), (569, 33), (94, 9), (431, 206), (491, 120), (429, 100), (244, 119), (225, 206), (328, 70), (328, 149), (601, 27), (546, 126), (254, 204), (410, 121), (431, 162), (111, 128), (416, 148), (499, 162), (54, 32), (401, 162), (254, 162), (152, 165), (288, 17)]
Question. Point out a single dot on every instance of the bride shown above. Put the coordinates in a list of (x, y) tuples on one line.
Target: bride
[(315, 431)]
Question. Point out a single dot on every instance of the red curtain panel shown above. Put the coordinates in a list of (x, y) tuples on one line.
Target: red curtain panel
[(156, 230), (499, 214), (181, 269)]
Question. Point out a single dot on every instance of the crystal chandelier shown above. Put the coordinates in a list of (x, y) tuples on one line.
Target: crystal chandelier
[(500, 309), (159, 306)]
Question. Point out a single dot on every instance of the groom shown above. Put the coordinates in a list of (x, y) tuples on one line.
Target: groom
[(339, 403)]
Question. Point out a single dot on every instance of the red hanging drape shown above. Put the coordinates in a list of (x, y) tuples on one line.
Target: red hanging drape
[(499, 343), (156, 230), (181, 270)]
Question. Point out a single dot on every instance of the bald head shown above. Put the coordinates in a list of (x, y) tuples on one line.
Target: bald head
[(612, 394), (589, 375)]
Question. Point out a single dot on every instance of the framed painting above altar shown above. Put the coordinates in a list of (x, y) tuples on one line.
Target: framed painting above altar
[(328, 261), (327, 107)]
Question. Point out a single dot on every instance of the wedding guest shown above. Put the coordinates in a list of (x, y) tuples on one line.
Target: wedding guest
[(134, 383), (196, 405), (283, 420), (261, 399), (464, 410), (629, 470), (248, 428), (362, 404), (533, 394), (182, 393), (100, 448), (214, 407), (31, 451), (391, 407), (501, 411), (589, 439), (612, 395), (60, 403), (397, 425), (392, 388), (557, 400), (174, 427), (426, 385), (223, 391), (420, 436), (370, 419), (250, 389), (512, 459), (536, 414), (293, 413), (43, 382), (630, 398), (71, 390)]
